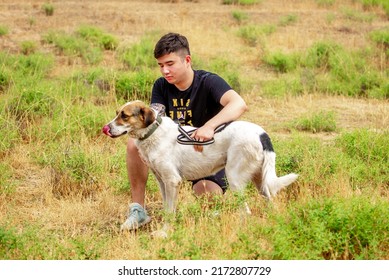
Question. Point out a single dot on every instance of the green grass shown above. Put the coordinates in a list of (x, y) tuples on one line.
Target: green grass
[(317, 122), (48, 9), (288, 20), (254, 34), (281, 62), (87, 42), (328, 68), (239, 16), (332, 228), (98, 37), (138, 56), (3, 30), (241, 2)]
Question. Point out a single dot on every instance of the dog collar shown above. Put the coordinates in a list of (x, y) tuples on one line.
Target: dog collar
[(153, 128)]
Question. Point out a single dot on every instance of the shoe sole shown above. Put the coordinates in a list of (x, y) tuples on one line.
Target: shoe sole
[(125, 227)]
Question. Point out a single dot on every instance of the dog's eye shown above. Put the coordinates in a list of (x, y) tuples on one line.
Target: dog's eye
[(124, 116)]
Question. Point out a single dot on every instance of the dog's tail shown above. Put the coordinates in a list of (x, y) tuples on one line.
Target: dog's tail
[(271, 184)]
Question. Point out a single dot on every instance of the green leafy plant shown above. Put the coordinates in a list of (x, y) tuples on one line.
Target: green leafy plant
[(134, 85), (317, 122), (241, 2), (253, 34), (48, 8), (239, 16), (74, 46), (3, 30), (98, 37), (281, 62), (28, 47), (139, 55), (336, 229), (288, 20)]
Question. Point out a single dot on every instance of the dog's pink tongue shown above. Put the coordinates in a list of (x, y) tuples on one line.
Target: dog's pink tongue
[(106, 130)]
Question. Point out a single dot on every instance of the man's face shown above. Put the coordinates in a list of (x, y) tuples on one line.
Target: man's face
[(174, 67)]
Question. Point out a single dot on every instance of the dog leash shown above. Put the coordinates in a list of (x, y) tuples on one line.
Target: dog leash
[(184, 137)]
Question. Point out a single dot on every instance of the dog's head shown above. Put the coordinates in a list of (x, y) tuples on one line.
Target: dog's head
[(132, 118)]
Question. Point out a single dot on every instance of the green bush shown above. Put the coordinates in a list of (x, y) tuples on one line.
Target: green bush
[(342, 72), (32, 102), (283, 86), (135, 85), (381, 37), (282, 62), (28, 47), (357, 16), (253, 34), (317, 122), (74, 46), (24, 68), (97, 37), (222, 67), (241, 2), (11, 137), (368, 154), (5, 79), (367, 4), (139, 55), (239, 16), (325, 3), (3, 30), (332, 228), (48, 8), (288, 20)]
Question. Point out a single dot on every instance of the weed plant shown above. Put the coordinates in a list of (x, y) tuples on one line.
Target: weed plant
[(332, 228), (48, 8), (241, 2), (97, 37), (254, 34), (239, 16), (326, 67), (88, 42), (317, 122), (28, 47), (288, 20), (3, 30), (281, 62), (135, 85), (138, 55)]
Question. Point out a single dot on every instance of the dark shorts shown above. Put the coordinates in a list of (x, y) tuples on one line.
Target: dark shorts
[(219, 178)]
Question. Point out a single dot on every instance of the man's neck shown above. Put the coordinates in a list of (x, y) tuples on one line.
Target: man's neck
[(185, 84)]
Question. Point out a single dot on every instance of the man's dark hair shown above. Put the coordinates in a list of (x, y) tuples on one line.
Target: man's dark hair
[(172, 42)]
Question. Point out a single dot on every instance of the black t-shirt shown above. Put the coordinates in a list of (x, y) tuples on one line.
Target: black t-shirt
[(196, 105)]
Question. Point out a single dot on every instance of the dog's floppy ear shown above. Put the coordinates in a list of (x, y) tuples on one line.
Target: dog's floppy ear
[(147, 116)]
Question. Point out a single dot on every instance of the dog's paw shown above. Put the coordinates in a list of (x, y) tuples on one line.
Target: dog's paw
[(245, 209), (160, 234)]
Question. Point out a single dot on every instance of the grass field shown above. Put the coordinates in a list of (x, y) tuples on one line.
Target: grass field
[(314, 74)]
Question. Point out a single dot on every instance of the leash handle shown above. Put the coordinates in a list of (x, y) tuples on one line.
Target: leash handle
[(184, 137)]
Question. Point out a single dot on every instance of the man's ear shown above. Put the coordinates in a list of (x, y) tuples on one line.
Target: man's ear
[(147, 115)]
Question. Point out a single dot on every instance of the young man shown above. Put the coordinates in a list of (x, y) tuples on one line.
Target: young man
[(192, 97)]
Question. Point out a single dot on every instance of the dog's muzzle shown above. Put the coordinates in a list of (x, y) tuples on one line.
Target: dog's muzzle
[(107, 131)]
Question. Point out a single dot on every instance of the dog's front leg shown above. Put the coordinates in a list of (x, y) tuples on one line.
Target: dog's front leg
[(170, 198)]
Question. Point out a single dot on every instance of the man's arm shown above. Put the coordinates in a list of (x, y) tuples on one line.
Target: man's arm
[(234, 107)]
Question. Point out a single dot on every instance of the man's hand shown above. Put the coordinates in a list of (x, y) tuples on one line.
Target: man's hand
[(202, 134)]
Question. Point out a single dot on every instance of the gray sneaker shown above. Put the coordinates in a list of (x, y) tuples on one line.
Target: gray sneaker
[(138, 217)]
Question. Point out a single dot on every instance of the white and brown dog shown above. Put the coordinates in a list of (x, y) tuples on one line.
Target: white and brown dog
[(244, 149)]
